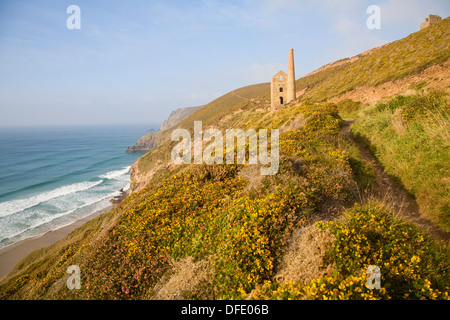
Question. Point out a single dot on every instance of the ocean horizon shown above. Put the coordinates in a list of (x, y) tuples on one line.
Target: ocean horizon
[(51, 177)]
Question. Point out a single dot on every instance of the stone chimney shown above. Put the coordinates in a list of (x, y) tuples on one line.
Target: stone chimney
[(282, 85), (291, 77)]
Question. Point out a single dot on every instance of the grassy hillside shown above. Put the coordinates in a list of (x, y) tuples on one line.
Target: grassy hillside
[(393, 61), (410, 135), (249, 97), (226, 104), (207, 218), (307, 232)]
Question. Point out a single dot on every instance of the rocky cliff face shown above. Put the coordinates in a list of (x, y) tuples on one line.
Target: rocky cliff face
[(145, 144), (176, 116), (150, 141)]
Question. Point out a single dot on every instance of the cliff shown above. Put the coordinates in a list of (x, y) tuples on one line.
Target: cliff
[(150, 141), (176, 116), (146, 143)]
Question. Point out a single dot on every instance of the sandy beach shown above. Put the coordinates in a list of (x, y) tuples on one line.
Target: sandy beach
[(11, 255)]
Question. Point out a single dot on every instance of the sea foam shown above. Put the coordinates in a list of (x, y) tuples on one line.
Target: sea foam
[(8, 234), (116, 174), (18, 205)]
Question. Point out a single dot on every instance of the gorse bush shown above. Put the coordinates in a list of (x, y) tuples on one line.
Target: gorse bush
[(172, 222), (413, 266), (254, 240), (372, 236), (325, 163)]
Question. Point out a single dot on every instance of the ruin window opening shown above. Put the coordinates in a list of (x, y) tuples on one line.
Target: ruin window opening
[(281, 100), (281, 89)]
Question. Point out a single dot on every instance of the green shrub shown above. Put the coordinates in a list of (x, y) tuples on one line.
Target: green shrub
[(412, 265)]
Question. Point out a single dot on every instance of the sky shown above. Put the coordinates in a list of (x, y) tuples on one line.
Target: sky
[(134, 62)]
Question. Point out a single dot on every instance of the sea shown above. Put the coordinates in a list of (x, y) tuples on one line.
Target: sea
[(51, 177)]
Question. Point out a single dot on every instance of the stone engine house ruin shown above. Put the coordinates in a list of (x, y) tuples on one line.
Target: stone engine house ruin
[(432, 19), (282, 85)]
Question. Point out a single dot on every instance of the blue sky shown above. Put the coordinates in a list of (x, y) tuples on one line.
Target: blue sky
[(136, 61)]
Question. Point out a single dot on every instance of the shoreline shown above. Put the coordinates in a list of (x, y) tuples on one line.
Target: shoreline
[(13, 254)]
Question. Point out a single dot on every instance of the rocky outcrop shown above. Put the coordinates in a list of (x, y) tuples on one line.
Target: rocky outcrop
[(146, 143), (151, 140), (176, 116)]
